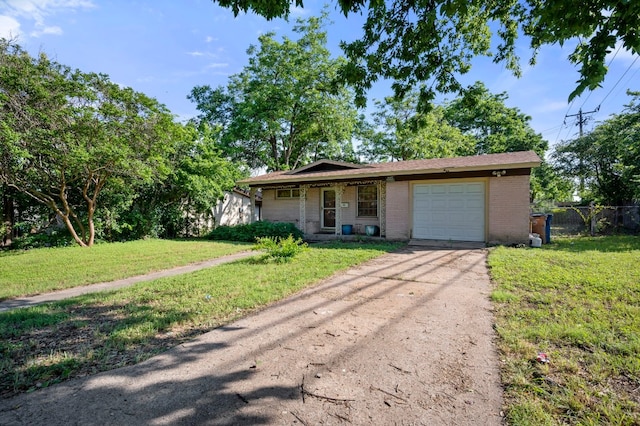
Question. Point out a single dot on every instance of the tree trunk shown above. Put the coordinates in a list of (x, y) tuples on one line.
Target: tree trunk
[(92, 228), (71, 229), (8, 219)]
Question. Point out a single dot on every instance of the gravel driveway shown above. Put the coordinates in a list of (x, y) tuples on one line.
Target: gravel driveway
[(404, 339)]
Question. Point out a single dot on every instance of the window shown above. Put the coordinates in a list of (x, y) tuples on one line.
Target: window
[(288, 193), (368, 201)]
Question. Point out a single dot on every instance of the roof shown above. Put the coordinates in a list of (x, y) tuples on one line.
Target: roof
[(326, 170), (246, 194)]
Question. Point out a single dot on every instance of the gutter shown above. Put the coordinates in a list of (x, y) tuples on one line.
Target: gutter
[(288, 179)]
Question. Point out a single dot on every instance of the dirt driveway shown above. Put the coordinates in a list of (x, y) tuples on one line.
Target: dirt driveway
[(405, 339)]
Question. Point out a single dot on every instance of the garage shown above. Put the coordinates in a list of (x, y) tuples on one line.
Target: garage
[(449, 211)]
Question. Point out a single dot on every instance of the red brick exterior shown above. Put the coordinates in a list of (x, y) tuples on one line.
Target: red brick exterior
[(508, 209)]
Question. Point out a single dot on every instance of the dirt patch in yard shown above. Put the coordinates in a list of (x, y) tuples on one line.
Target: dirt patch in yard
[(404, 339)]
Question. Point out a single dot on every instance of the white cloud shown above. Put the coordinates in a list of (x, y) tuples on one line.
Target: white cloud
[(9, 27), (298, 11), (550, 106), (217, 65), (38, 11), (209, 39), (198, 53), (46, 30)]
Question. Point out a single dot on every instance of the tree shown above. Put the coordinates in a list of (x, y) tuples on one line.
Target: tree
[(401, 132), (284, 109), (495, 127), (199, 177), (549, 186), (411, 41), (65, 135), (607, 160)]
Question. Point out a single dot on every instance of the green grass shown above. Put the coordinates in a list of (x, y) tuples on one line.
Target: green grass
[(37, 271), (577, 300), (50, 343)]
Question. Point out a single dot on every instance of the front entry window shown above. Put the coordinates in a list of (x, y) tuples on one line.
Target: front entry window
[(328, 208), (368, 201)]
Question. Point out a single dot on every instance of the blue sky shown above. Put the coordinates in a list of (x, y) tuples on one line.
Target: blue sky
[(164, 48)]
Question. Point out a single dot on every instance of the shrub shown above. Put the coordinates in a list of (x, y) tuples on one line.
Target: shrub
[(253, 231), (49, 238), (280, 249)]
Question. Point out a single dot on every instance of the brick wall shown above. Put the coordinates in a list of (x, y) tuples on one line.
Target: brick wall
[(278, 209), (398, 211), (508, 210), (312, 211)]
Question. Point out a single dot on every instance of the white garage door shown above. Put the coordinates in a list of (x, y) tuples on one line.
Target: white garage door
[(451, 211)]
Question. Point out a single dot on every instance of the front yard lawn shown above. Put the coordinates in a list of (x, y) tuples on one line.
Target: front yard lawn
[(24, 273), (577, 301), (97, 332)]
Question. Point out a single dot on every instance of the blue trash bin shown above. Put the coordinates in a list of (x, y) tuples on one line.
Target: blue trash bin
[(547, 228)]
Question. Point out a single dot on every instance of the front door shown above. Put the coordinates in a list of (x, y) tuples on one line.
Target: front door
[(328, 208)]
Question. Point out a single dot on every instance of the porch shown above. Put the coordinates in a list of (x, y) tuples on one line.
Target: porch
[(350, 210)]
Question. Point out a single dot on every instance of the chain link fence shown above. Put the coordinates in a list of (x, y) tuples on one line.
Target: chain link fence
[(594, 219)]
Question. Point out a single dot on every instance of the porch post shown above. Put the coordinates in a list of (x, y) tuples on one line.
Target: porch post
[(382, 190), (339, 188), (303, 208), (252, 204)]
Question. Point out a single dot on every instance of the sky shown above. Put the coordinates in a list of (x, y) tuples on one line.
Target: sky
[(164, 48)]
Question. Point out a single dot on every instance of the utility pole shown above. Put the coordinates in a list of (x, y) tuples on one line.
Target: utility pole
[(582, 120)]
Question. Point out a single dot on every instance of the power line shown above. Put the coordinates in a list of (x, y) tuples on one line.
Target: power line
[(552, 128), (581, 119), (608, 65), (619, 80), (630, 79), (564, 123)]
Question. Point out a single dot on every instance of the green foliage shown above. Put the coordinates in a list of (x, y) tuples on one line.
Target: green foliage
[(570, 300), (251, 232), (549, 186), (284, 109), (48, 238), (65, 135), (179, 204), (606, 162), (280, 249), (411, 42), (494, 126), (401, 132), (110, 162)]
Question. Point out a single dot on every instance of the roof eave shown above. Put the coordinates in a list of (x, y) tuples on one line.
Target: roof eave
[(289, 179)]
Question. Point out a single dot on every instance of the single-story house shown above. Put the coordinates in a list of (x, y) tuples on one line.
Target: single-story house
[(236, 208), (483, 198)]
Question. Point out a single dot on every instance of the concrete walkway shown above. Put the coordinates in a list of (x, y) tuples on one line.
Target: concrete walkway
[(406, 338), (24, 302)]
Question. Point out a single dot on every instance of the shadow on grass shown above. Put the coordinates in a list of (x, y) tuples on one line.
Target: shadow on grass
[(82, 336), (607, 244), (47, 344), (209, 382)]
